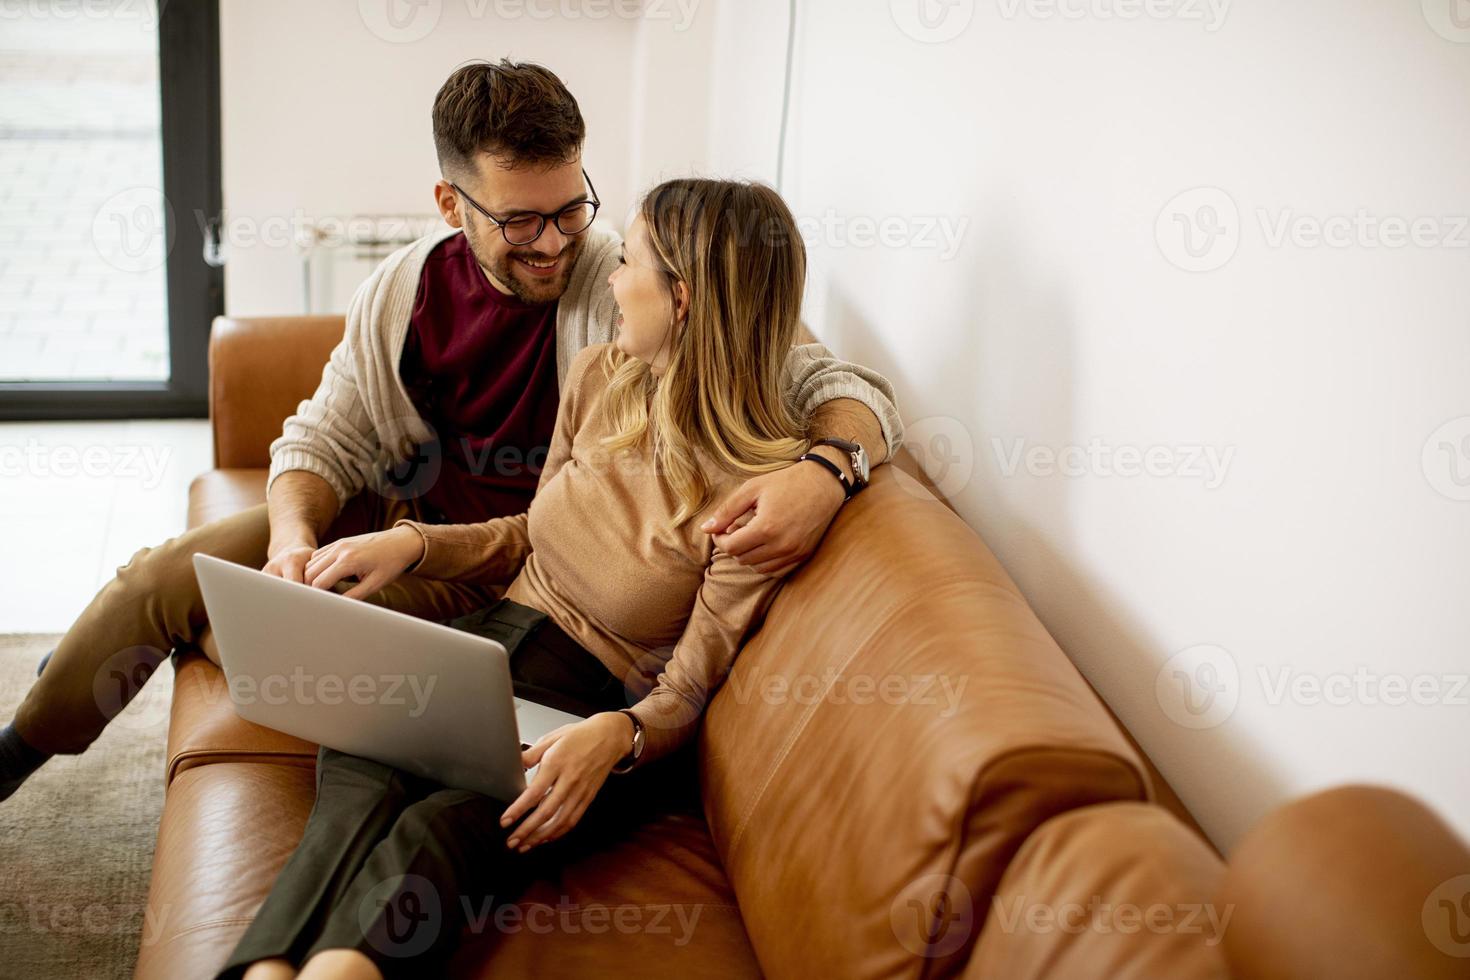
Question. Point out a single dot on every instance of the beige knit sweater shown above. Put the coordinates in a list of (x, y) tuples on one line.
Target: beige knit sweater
[(361, 421), (659, 605)]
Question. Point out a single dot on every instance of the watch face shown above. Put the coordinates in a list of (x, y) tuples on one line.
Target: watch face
[(860, 464)]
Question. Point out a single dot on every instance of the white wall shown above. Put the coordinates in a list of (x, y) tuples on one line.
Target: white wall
[(1333, 543)]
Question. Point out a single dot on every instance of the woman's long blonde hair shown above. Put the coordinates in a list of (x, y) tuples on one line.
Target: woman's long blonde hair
[(724, 392)]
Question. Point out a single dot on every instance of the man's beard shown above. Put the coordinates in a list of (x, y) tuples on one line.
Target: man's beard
[(521, 284)]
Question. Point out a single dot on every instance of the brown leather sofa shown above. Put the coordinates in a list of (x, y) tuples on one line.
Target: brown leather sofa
[(903, 777)]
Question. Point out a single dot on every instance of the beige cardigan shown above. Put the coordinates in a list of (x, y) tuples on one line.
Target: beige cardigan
[(361, 421)]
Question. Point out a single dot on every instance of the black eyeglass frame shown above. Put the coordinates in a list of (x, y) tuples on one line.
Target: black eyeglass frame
[(541, 216)]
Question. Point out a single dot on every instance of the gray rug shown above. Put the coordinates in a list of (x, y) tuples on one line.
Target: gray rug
[(76, 841)]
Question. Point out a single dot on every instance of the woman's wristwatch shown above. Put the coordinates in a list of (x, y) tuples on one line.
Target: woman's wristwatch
[(628, 761), (857, 456)]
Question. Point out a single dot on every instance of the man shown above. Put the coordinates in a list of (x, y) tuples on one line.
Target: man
[(435, 405)]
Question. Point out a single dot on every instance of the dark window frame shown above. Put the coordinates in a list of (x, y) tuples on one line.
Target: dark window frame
[(188, 72)]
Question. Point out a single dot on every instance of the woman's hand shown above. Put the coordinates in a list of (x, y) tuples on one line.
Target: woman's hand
[(375, 560), (575, 760)]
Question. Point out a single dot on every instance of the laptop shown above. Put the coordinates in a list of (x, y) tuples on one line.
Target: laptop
[(420, 696)]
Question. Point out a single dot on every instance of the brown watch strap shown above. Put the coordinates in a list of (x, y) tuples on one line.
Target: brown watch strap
[(628, 761)]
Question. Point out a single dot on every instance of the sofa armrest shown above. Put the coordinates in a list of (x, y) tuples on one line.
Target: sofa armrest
[(260, 369), (1353, 883), (1119, 891), (204, 727)]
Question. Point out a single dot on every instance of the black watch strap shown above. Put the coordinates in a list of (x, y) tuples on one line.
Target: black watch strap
[(854, 451), (627, 762), (835, 470)]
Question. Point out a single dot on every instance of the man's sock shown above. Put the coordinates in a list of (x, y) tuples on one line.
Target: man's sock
[(17, 760), (44, 661)]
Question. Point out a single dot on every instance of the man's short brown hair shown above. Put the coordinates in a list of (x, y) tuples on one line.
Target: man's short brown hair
[(512, 109)]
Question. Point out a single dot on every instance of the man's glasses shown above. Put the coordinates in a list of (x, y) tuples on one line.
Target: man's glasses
[(524, 227)]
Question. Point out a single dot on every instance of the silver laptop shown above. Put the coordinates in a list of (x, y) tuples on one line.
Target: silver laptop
[(434, 701)]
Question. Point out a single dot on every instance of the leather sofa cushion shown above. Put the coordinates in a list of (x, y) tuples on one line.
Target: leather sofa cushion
[(219, 493), (204, 727), (229, 828), (656, 906), (1120, 891)]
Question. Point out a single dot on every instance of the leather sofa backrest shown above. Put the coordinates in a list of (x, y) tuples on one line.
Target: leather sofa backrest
[(888, 739), (260, 369)]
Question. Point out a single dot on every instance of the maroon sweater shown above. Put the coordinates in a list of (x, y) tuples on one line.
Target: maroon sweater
[(480, 367)]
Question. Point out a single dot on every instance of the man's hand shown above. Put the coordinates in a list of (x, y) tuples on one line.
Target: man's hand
[(288, 559), (300, 506), (574, 762), (784, 513), (375, 560)]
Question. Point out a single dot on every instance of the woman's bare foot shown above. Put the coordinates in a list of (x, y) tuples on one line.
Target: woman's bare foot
[(270, 970), (340, 964)]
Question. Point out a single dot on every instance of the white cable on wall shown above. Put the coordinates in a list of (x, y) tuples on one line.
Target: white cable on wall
[(786, 98)]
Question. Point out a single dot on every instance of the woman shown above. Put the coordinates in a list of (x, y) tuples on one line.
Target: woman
[(617, 598)]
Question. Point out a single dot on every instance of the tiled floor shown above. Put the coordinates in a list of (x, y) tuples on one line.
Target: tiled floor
[(82, 215), (78, 499)]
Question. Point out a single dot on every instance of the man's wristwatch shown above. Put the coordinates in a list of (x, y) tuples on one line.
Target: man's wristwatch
[(628, 761), (857, 456)]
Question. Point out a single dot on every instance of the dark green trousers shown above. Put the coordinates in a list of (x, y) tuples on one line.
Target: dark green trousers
[(395, 865)]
